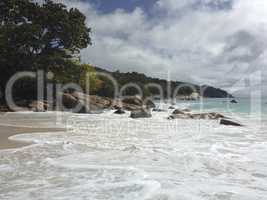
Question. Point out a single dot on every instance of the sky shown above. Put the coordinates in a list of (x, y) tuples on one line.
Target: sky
[(222, 43)]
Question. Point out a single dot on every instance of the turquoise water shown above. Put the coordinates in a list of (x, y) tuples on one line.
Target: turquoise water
[(245, 106)]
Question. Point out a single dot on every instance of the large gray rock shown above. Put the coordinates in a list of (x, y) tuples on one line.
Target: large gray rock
[(69, 101), (201, 116), (180, 114), (133, 100), (143, 113), (186, 110), (82, 103), (133, 103), (119, 111), (178, 111), (158, 110), (93, 101), (228, 122), (212, 115), (131, 107)]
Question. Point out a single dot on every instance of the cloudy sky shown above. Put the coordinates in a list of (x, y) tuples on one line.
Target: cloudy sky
[(216, 42)]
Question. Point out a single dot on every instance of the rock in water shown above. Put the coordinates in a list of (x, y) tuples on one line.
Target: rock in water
[(171, 107), (214, 115), (158, 110), (233, 101), (119, 111), (181, 116), (228, 122), (186, 110), (141, 114), (200, 116), (177, 111)]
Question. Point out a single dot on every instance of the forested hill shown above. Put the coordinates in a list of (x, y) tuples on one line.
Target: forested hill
[(141, 80)]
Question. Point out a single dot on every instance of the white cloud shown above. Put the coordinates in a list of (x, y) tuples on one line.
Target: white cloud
[(214, 46)]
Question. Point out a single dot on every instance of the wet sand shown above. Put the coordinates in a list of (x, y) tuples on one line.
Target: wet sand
[(19, 123), (7, 131)]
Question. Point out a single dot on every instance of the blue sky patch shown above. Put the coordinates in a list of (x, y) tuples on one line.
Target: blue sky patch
[(107, 6)]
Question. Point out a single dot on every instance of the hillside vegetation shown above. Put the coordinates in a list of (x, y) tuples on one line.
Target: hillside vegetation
[(142, 80)]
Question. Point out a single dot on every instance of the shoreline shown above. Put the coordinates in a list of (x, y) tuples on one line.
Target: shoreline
[(7, 131)]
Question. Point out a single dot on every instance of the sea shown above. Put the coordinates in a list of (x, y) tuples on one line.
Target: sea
[(113, 157)]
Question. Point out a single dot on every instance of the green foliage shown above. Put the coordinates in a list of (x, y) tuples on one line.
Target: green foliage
[(106, 87), (82, 74), (88, 78), (47, 36), (39, 36), (141, 80), (26, 88)]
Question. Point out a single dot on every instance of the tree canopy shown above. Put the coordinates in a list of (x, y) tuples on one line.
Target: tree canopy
[(39, 36), (46, 36)]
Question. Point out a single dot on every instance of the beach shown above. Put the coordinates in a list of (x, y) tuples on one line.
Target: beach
[(20, 123), (108, 156), (133, 100), (8, 131)]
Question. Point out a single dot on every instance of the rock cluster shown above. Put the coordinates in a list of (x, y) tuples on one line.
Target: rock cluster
[(82, 103), (93, 102), (185, 114), (138, 107), (142, 113)]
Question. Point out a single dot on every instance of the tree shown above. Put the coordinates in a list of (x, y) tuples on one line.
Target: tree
[(39, 36)]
